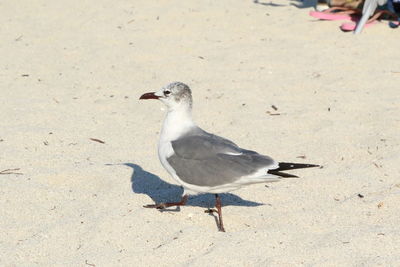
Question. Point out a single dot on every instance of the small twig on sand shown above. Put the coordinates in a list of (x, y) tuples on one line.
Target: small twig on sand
[(11, 171), (90, 264), (273, 114), (97, 140)]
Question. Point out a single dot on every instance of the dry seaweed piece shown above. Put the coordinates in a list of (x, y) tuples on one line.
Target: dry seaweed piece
[(97, 140), (11, 171)]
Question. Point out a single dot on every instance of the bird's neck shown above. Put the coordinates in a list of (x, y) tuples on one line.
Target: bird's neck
[(177, 122)]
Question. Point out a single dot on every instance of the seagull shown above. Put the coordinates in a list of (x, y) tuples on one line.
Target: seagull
[(202, 162)]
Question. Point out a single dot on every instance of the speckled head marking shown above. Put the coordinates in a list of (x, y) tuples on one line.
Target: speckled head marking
[(176, 95), (173, 95), (179, 91)]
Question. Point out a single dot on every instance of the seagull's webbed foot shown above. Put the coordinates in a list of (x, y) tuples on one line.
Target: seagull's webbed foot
[(168, 204), (210, 211)]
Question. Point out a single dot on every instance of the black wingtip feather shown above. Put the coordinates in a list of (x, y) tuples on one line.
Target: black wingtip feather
[(282, 174), (283, 166)]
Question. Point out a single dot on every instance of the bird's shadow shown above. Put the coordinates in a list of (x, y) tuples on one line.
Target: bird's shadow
[(144, 182)]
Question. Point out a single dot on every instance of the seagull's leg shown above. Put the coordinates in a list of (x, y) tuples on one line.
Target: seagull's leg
[(219, 210), (168, 204)]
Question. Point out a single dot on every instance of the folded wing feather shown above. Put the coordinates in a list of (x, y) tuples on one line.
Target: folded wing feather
[(205, 159)]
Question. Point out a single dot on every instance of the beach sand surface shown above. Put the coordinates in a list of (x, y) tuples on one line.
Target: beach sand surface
[(73, 71)]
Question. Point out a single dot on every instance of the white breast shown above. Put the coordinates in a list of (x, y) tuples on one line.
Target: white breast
[(177, 123), (165, 150)]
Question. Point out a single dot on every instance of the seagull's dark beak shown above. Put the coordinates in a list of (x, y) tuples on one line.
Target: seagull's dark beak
[(151, 95)]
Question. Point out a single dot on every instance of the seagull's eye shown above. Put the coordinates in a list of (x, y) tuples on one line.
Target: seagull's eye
[(167, 92)]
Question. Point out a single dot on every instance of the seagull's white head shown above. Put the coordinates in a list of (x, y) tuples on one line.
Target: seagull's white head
[(175, 95)]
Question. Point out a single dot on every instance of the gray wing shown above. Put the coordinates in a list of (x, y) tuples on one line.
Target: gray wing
[(210, 160)]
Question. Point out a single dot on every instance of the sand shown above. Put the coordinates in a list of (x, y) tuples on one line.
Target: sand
[(74, 70)]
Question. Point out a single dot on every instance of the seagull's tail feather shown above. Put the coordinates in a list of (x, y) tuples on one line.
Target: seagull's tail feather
[(283, 166)]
